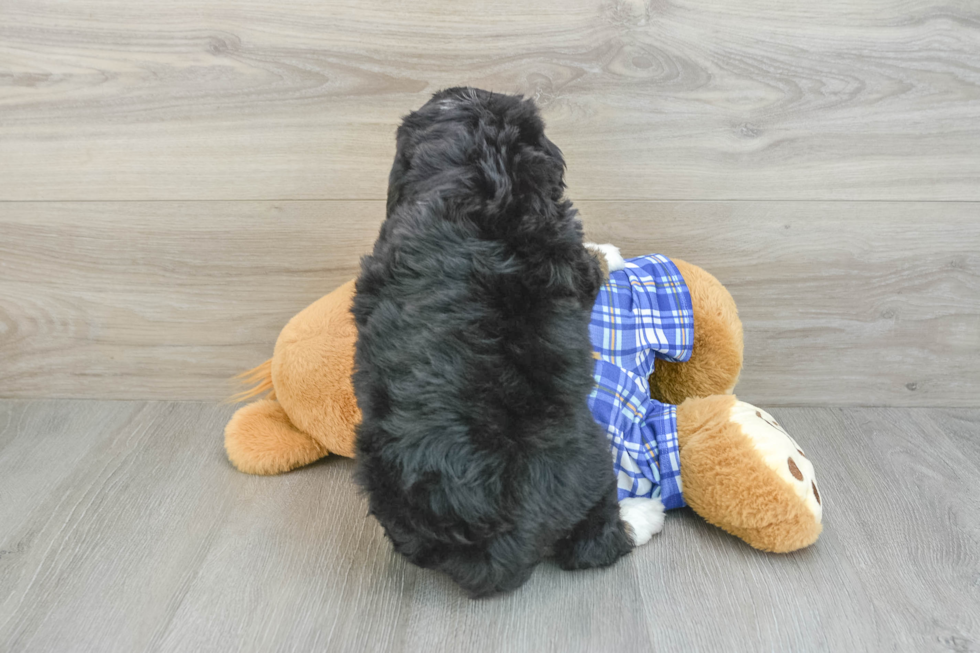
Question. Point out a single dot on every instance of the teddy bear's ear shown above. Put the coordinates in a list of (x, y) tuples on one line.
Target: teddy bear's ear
[(742, 472)]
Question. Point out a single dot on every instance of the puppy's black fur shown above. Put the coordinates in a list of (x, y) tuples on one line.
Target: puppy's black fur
[(473, 363)]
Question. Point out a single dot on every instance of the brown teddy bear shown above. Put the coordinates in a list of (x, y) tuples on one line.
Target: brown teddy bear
[(738, 468)]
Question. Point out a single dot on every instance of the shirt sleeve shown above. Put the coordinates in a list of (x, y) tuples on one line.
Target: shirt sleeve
[(642, 313)]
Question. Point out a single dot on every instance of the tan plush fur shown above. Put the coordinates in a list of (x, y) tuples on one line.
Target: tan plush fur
[(716, 360), (311, 369), (314, 411), (261, 377), (727, 483), (260, 439)]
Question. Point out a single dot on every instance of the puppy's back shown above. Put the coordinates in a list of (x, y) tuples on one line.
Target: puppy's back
[(473, 360)]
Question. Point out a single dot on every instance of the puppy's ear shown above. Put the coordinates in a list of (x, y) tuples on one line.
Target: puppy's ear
[(404, 146), (396, 182), (540, 170), (553, 151)]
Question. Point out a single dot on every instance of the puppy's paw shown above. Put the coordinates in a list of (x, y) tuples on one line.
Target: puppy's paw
[(614, 260), (644, 517)]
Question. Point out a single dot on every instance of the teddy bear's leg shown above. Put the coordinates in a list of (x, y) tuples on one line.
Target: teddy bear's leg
[(260, 439), (743, 473), (716, 360), (311, 371)]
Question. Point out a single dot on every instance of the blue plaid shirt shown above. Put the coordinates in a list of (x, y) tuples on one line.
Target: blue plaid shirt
[(642, 313)]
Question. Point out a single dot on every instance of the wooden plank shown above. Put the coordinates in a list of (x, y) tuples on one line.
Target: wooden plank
[(843, 303), (40, 449), (99, 560), (162, 300), (234, 99), (962, 426), (149, 540)]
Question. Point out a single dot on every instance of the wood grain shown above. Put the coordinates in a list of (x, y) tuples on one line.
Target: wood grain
[(238, 99), (136, 535), (843, 302), (162, 300)]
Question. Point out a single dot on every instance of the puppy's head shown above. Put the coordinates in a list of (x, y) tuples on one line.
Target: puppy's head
[(480, 141)]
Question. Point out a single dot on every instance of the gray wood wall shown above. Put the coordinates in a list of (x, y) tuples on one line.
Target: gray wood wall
[(177, 179)]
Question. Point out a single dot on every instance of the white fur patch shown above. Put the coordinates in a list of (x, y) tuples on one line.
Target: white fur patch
[(780, 452), (644, 516), (613, 258)]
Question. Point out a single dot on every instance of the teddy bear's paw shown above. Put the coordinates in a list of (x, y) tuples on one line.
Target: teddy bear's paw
[(780, 452), (260, 439), (643, 516), (614, 259)]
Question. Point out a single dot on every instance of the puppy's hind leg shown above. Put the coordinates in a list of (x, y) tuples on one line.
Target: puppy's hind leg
[(644, 517), (598, 540), (503, 567)]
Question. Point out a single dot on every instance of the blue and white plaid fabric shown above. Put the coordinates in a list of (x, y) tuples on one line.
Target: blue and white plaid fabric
[(642, 313)]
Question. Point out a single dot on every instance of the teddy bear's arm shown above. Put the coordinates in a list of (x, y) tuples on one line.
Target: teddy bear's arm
[(716, 359)]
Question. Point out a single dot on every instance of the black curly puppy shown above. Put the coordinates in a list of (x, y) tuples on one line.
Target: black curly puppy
[(473, 363)]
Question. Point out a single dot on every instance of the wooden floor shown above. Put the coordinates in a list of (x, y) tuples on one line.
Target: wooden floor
[(124, 529)]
